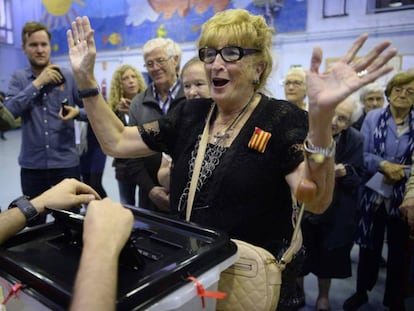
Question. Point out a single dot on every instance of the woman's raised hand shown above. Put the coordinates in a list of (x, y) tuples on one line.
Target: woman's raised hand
[(326, 90), (82, 52)]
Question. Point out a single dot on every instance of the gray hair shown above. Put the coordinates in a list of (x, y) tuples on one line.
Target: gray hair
[(357, 109), (167, 44), (368, 89), (297, 71)]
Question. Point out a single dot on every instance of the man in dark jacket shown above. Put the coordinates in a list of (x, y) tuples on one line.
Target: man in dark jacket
[(162, 59)]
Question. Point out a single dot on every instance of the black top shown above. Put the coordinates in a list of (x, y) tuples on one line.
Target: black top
[(358, 123), (247, 194)]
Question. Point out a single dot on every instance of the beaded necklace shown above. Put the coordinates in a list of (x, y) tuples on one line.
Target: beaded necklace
[(220, 138)]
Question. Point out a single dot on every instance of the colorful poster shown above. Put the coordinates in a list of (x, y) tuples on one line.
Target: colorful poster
[(125, 24)]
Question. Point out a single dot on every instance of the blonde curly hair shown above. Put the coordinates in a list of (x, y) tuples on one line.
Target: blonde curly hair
[(238, 27), (116, 91)]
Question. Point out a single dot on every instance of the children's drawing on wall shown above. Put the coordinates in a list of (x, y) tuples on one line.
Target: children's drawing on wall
[(126, 24)]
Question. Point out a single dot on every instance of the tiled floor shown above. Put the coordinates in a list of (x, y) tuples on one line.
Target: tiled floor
[(341, 289), (10, 189)]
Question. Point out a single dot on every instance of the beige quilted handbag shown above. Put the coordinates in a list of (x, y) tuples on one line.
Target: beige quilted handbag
[(253, 282)]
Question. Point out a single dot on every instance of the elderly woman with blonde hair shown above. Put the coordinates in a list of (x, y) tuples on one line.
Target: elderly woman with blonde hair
[(253, 145)]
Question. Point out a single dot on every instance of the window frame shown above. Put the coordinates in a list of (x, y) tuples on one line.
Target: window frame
[(372, 7), (334, 9), (6, 22)]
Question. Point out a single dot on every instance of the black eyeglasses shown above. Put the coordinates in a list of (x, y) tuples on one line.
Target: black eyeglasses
[(228, 53)]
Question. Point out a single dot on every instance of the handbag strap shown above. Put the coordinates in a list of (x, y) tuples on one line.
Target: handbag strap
[(197, 164), (296, 240)]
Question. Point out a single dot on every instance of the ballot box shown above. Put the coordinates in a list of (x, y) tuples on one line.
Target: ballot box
[(154, 266)]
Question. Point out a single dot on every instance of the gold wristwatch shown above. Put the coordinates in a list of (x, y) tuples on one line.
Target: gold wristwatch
[(318, 154)]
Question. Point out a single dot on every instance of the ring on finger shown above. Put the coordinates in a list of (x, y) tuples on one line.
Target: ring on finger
[(77, 41), (362, 73)]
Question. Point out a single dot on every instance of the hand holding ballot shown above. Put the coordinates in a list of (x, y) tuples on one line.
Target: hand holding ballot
[(393, 172)]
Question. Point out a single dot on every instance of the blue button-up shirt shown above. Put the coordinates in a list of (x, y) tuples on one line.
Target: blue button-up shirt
[(172, 94), (47, 141), (395, 143)]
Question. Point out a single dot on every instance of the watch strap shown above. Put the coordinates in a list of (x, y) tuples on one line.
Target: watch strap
[(29, 211), (89, 92)]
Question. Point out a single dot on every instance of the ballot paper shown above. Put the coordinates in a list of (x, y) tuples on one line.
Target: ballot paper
[(377, 184)]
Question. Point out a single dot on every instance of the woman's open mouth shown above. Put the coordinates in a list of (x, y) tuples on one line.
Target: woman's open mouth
[(218, 82)]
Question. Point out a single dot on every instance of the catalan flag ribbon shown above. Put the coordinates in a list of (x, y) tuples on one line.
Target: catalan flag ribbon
[(259, 140)]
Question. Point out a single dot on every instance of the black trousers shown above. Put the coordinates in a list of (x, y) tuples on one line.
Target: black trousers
[(34, 182), (369, 259)]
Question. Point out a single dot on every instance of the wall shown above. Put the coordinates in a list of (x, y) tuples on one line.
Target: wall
[(334, 35), (12, 57)]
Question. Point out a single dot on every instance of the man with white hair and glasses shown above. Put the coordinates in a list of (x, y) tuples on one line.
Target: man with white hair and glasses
[(162, 59)]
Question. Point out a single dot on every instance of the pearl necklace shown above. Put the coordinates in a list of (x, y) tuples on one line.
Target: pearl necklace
[(220, 138)]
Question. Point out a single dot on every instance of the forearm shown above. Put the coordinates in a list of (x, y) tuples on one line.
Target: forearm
[(96, 280), (323, 175), (21, 98), (106, 126), (106, 228), (115, 139), (11, 222)]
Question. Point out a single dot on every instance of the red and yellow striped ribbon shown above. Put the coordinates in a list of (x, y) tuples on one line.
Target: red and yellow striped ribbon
[(259, 140)]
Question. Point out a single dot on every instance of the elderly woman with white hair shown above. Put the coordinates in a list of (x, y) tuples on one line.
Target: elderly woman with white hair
[(371, 97), (295, 86)]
